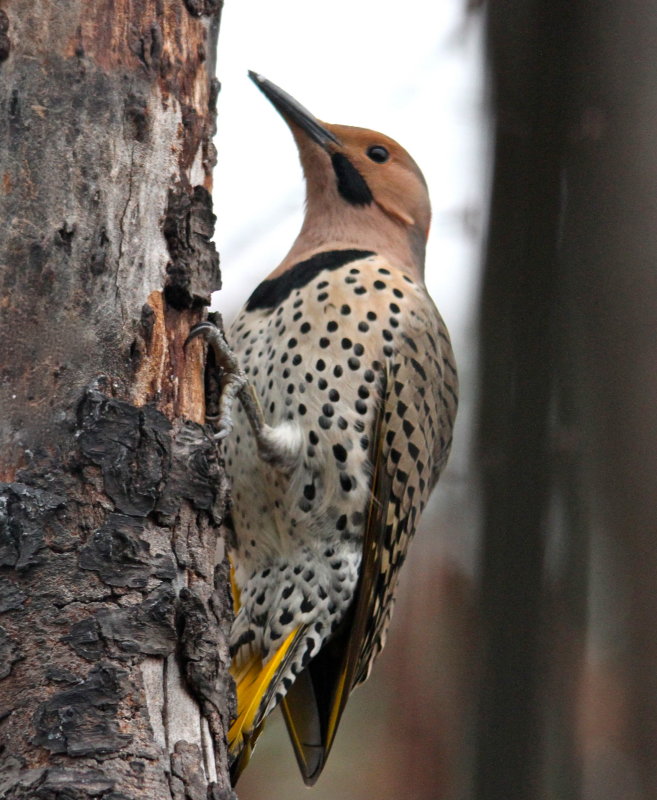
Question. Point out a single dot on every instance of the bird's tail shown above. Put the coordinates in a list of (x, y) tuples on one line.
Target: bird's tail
[(256, 684)]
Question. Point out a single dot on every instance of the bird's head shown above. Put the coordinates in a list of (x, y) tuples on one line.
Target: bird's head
[(356, 177)]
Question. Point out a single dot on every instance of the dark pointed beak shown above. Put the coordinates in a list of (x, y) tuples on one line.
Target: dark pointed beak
[(294, 112)]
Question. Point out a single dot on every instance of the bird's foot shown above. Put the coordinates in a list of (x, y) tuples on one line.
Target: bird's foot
[(233, 379), (279, 446)]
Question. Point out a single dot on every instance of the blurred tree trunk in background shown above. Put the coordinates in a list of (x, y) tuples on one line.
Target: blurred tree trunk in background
[(528, 56), (113, 661), (609, 277), (568, 422)]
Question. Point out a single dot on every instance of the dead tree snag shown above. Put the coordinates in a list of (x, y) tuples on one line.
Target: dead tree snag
[(113, 615)]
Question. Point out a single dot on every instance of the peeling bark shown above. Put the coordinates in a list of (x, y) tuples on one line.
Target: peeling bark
[(113, 612)]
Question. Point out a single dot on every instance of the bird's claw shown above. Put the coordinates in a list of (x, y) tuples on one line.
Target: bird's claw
[(199, 330), (235, 383), (233, 380)]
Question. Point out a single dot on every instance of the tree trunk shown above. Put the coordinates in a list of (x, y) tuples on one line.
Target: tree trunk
[(528, 49), (610, 250), (572, 252), (113, 616)]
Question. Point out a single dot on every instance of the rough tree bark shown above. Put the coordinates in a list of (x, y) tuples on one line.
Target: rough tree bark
[(113, 661)]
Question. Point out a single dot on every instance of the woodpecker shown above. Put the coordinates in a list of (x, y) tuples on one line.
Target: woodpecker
[(347, 395)]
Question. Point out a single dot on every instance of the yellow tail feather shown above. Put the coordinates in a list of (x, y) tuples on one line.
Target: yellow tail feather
[(253, 679)]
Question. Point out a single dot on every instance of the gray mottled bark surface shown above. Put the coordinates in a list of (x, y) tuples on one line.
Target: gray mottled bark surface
[(113, 660)]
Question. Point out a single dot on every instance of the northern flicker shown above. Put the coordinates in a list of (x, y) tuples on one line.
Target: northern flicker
[(347, 395)]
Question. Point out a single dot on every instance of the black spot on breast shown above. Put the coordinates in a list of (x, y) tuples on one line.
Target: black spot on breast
[(274, 291), (339, 452), (351, 184)]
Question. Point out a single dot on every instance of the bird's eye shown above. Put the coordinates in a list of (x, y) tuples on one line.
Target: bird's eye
[(378, 153)]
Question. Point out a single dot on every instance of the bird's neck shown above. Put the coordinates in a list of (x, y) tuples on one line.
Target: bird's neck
[(359, 228)]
